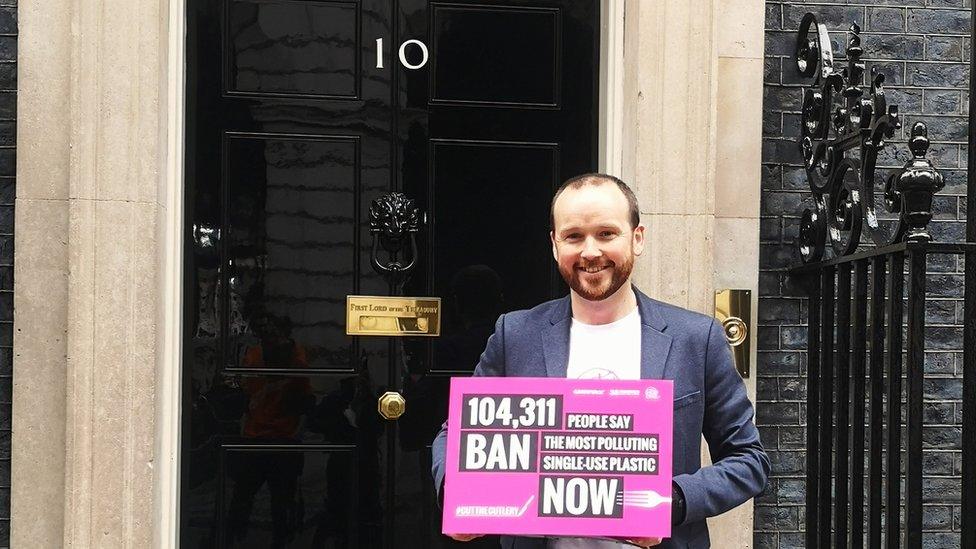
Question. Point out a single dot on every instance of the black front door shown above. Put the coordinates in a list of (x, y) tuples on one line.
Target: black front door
[(295, 124)]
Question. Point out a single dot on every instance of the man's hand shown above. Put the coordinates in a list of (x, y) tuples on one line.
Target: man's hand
[(465, 537), (644, 542)]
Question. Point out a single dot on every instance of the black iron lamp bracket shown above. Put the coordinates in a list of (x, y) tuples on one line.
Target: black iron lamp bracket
[(837, 118)]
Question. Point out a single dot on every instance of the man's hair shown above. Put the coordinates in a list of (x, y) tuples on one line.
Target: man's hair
[(596, 179)]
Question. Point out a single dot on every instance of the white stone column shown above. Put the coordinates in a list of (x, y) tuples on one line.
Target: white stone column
[(91, 244), (692, 142), (669, 143), (738, 160), (41, 276)]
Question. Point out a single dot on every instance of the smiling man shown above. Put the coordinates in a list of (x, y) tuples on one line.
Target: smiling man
[(606, 328)]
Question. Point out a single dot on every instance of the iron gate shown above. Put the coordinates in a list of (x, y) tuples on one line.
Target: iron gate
[(861, 391)]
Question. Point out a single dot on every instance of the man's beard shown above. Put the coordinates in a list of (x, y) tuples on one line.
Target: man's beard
[(618, 276)]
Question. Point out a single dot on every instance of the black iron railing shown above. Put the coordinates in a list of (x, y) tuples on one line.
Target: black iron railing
[(857, 332), (862, 392)]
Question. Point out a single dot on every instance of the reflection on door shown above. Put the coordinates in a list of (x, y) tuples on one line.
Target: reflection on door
[(292, 132)]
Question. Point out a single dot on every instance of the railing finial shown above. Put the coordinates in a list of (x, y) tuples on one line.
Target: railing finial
[(915, 185)]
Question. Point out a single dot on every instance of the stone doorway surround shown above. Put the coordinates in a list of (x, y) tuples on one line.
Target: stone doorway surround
[(99, 224), (98, 237), (692, 144)]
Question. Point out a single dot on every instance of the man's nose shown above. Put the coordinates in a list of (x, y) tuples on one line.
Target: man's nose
[(590, 249)]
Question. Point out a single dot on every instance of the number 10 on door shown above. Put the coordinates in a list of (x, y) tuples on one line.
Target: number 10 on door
[(402, 54)]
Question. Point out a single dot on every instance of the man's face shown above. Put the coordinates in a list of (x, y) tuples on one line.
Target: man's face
[(592, 241)]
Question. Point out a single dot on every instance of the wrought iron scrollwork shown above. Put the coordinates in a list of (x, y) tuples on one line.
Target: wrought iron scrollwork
[(394, 221), (838, 117)]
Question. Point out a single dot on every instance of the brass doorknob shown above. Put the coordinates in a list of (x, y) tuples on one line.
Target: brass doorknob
[(391, 405)]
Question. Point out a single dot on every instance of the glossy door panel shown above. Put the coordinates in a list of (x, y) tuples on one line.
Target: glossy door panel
[(474, 63), (469, 178), (292, 131), (292, 233), (298, 496), (291, 47)]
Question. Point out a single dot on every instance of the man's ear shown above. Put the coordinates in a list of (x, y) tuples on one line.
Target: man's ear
[(552, 239), (638, 242)]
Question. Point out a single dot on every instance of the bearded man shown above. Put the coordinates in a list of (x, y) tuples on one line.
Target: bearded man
[(607, 328)]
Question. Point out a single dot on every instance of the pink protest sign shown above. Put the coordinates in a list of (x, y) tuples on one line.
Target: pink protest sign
[(559, 457)]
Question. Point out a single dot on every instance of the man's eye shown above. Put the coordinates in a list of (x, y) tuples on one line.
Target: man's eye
[(573, 237), (608, 235)]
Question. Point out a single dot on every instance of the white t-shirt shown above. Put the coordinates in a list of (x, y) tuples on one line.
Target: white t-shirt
[(605, 351)]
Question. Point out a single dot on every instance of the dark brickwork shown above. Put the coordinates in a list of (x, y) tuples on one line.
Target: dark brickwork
[(922, 46), (8, 141)]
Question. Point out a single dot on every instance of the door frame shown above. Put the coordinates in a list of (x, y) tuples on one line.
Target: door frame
[(611, 126), (166, 497), (169, 402)]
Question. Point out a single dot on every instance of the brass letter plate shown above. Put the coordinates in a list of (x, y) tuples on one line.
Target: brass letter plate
[(373, 315)]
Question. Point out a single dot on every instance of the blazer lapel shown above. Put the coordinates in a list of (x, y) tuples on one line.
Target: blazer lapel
[(654, 353), (655, 344), (555, 340)]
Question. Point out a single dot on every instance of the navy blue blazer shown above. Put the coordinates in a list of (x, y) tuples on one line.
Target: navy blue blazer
[(710, 399)]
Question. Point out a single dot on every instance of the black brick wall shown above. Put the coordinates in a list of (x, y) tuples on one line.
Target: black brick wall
[(8, 141), (922, 46)]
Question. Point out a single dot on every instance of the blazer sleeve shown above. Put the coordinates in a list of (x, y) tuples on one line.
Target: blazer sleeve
[(491, 364), (740, 467)]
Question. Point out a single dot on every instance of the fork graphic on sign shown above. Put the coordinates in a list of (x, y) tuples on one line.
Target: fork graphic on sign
[(647, 499)]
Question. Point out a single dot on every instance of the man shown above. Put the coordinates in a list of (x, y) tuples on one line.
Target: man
[(607, 328)]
